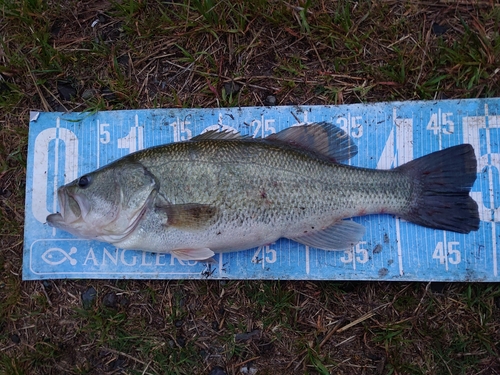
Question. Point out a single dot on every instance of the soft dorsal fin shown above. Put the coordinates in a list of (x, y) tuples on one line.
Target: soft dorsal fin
[(322, 138), (215, 134)]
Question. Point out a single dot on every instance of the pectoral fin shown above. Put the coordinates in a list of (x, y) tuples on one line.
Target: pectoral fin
[(339, 236), (187, 216), (193, 254)]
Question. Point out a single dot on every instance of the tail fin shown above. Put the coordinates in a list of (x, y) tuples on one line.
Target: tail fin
[(443, 181)]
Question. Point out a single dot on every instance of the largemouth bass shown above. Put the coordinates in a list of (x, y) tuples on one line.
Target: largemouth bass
[(222, 192)]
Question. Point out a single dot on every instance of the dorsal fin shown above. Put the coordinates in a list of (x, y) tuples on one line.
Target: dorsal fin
[(322, 138), (215, 134)]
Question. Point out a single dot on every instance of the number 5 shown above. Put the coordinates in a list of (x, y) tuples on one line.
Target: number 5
[(105, 133)]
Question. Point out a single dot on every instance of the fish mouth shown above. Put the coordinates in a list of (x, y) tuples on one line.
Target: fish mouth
[(72, 208)]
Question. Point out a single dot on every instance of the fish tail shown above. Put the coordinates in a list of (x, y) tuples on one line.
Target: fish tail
[(442, 182)]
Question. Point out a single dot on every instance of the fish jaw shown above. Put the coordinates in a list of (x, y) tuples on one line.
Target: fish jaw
[(73, 210), (57, 221), (69, 212)]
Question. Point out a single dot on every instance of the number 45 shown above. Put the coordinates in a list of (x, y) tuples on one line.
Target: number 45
[(453, 255), (441, 122)]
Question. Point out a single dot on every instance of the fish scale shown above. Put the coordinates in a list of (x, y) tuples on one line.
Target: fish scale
[(301, 181)]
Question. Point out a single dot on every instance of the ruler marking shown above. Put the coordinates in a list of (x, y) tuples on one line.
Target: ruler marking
[(400, 251), (221, 270), (491, 190), (308, 264), (56, 168), (98, 144)]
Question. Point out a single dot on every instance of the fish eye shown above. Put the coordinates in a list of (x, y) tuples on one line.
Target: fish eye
[(84, 181)]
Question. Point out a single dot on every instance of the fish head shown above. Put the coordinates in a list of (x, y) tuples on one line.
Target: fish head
[(106, 204)]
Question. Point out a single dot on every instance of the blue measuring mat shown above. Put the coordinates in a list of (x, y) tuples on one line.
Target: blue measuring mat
[(63, 146)]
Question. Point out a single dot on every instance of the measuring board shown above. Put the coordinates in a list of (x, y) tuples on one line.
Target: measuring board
[(63, 146)]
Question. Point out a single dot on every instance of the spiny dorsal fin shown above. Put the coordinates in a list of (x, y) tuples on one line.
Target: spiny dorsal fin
[(322, 138), (215, 134)]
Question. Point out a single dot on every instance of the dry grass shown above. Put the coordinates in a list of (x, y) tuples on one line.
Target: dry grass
[(88, 55)]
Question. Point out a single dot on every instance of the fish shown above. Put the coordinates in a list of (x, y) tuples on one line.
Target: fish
[(223, 192)]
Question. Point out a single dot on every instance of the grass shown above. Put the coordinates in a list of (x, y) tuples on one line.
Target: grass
[(149, 54)]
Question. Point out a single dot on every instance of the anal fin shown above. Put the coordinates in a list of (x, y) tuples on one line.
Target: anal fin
[(340, 236), (193, 254)]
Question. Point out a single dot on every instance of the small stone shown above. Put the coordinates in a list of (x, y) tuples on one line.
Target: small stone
[(377, 249), (438, 29), (88, 94), (5, 193), (124, 301), (270, 100), (181, 341), (66, 90), (15, 339), (108, 94), (217, 370), (88, 297), (178, 323), (123, 60), (110, 300), (231, 88), (102, 18)]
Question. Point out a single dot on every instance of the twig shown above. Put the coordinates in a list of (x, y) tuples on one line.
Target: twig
[(246, 361), (331, 333), (42, 98), (357, 321)]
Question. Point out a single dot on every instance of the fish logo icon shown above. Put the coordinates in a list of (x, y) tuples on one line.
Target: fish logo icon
[(55, 256)]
